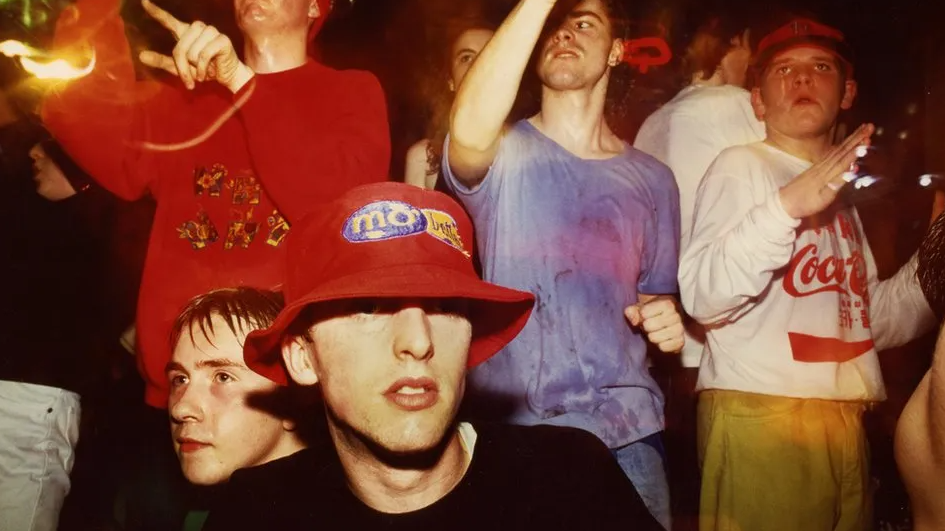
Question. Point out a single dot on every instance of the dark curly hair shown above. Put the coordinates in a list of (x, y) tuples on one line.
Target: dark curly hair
[(931, 269)]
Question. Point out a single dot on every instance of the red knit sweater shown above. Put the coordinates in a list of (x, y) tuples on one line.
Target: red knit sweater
[(224, 199)]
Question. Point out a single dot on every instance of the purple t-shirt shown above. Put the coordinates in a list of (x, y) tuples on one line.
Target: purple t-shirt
[(585, 237)]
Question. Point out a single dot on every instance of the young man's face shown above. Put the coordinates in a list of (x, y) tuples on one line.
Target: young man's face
[(801, 93), (579, 52), (215, 429), (260, 18), (392, 372)]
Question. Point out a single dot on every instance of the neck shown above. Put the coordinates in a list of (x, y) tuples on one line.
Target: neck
[(275, 53), (811, 148), (408, 485), (289, 445), (715, 80), (575, 120)]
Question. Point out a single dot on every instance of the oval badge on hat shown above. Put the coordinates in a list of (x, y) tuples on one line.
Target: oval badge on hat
[(386, 220)]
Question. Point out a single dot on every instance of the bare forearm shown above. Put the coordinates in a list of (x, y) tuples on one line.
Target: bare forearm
[(486, 96), (936, 403)]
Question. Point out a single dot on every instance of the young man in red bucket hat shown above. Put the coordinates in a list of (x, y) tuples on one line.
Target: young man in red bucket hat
[(385, 313), (781, 275)]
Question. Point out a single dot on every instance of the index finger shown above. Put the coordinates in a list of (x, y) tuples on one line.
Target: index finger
[(164, 18), (845, 153), (656, 307)]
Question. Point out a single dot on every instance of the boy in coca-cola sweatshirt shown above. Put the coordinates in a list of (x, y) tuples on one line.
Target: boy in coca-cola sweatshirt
[(783, 279), (233, 152)]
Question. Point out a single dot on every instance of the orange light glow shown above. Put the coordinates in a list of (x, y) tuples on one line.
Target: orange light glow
[(41, 64)]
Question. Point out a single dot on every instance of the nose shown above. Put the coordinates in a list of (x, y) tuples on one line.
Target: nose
[(186, 404), (562, 34), (412, 334), (802, 75)]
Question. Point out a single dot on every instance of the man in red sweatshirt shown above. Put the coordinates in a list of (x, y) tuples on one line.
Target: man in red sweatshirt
[(233, 150)]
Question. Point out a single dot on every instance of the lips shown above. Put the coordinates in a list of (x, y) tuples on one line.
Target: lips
[(188, 445), (805, 99), (413, 394)]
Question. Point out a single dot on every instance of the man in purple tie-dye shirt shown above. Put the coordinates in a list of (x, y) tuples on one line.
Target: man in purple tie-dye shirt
[(565, 209)]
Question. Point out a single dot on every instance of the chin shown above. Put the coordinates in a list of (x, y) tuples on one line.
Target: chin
[(205, 478)]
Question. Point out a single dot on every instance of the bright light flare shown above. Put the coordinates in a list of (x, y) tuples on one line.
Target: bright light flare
[(865, 182), (11, 48), (56, 69), (929, 179), (41, 65)]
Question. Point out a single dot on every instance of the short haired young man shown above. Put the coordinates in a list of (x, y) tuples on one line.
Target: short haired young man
[(223, 415), (567, 210), (783, 278), (385, 313)]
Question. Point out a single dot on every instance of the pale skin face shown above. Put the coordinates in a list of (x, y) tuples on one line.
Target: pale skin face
[(392, 373), (464, 52), (580, 52), (259, 18), (801, 94), (50, 181), (215, 428)]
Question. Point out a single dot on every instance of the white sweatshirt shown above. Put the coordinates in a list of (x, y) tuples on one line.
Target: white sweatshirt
[(686, 134), (791, 308)]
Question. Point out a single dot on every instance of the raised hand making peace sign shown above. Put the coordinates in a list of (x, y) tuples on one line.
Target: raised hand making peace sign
[(201, 53)]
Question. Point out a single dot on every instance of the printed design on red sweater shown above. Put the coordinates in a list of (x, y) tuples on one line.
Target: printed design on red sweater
[(245, 193), (829, 272), (246, 189), (209, 180), (278, 228), (241, 231), (200, 232)]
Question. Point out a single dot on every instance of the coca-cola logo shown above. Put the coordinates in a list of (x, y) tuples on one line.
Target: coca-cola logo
[(808, 274)]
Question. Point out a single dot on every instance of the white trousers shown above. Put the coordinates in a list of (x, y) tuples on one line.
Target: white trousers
[(39, 428)]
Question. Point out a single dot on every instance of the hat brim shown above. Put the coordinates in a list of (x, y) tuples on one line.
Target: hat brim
[(497, 314), (838, 49)]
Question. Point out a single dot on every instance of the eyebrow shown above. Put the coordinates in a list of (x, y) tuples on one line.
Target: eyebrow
[(585, 13), (816, 58), (214, 363)]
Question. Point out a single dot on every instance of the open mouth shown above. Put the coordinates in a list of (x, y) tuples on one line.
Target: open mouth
[(413, 394), (805, 100), (564, 54)]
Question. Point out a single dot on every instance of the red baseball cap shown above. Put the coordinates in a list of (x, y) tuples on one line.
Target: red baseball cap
[(388, 240), (802, 32)]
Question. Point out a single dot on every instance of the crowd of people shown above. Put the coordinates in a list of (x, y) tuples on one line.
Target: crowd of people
[(469, 347)]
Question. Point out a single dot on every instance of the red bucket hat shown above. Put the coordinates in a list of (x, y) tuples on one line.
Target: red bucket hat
[(803, 32), (388, 240)]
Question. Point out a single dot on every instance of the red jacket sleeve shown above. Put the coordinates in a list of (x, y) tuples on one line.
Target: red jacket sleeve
[(314, 135), (95, 117)]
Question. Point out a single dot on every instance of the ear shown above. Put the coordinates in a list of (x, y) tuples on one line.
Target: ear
[(313, 10), (743, 40), (296, 352), (849, 94), (616, 53), (757, 103)]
